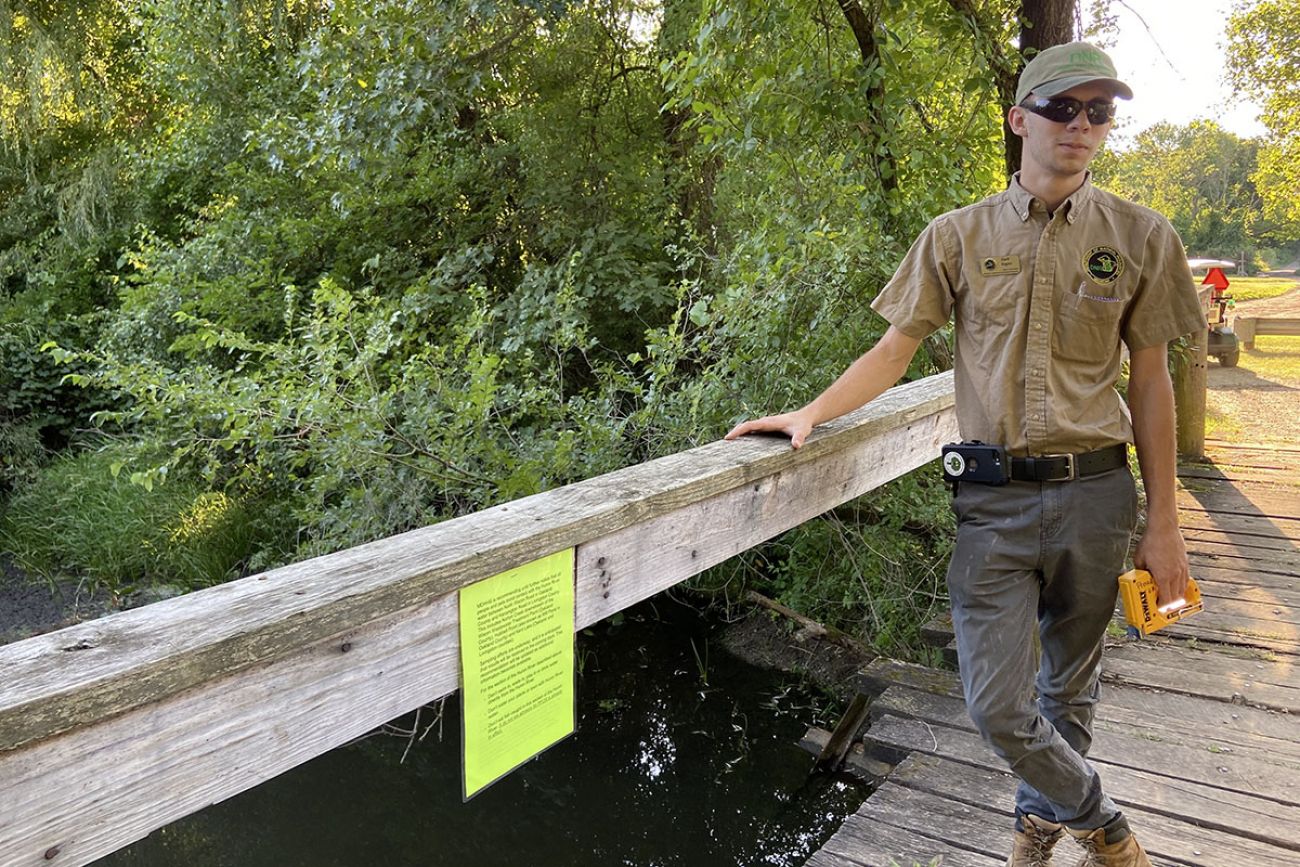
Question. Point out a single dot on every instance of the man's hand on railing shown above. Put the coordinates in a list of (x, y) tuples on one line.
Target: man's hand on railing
[(866, 379), (796, 425)]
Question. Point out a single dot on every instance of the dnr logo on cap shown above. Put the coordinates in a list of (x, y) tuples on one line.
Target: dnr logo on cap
[(1104, 264), (1092, 59)]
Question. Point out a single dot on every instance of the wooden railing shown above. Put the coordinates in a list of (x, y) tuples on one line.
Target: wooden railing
[(1250, 327), (113, 728)]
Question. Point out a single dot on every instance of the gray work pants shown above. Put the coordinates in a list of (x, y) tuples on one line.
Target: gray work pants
[(1040, 555)]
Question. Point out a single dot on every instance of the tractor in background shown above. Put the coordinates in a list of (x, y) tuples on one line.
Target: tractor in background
[(1218, 306)]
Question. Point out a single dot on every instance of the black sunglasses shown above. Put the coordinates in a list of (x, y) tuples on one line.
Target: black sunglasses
[(1063, 109)]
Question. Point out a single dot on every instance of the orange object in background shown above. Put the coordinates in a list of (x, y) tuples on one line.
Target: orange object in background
[(1138, 591)]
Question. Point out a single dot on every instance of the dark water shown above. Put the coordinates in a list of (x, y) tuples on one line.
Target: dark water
[(684, 755)]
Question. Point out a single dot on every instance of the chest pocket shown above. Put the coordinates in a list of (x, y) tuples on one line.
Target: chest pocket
[(1087, 328)]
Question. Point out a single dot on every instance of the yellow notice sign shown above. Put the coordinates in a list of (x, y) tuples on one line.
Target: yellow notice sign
[(516, 653)]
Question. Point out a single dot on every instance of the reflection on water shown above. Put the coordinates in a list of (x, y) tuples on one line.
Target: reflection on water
[(682, 757)]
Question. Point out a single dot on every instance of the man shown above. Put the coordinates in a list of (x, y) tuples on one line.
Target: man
[(1045, 280)]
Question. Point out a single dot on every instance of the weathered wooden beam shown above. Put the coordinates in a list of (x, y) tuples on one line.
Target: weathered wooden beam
[(111, 729), (1248, 328)]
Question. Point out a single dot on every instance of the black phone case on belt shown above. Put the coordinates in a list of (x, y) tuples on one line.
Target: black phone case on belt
[(975, 462)]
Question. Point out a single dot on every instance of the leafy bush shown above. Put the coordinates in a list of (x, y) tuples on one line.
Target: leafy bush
[(21, 454), (33, 390), (375, 264), (873, 567)]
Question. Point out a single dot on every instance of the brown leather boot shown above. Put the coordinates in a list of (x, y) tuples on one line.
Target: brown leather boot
[(1098, 853), (1032, 847)]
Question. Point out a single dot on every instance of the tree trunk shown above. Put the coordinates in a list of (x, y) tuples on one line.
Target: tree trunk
[(1043, 23), (691, 181), (876, 129)]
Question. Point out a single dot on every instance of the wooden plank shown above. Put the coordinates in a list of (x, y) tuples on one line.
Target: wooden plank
[(1230, 473), (1151, 716), (1164, 838), (1280, 599), (1276, 326), (1181, 691), (1188, 371), (1157, 749), (634, 563), (1280, 481), (957, 824), (1239, 525), (1280, 508), (823, 858), (1281, 451), (1239, 577), (893, 672), (1263, 634), (973, 824), (1259, 682), (1194, 690), (1273, 479), (1208, 806), (1245, 547), (1207, 722), (1267, 561), (1264, 609), (871, 843), (1239, 542), (77, 676)]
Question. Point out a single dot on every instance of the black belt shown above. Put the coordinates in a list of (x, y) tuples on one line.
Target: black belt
[(1062, 468)]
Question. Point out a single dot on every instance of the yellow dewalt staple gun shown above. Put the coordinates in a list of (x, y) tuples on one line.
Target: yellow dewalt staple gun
[(1138, 590)]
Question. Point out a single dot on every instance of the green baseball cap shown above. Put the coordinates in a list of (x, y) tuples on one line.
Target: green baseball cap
[(1057, 69)]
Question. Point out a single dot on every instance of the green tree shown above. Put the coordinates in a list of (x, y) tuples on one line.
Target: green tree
[(1199, 176), (1264, 63)]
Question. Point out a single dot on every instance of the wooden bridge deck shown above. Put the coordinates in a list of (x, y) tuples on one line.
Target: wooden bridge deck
[(1197, 735)]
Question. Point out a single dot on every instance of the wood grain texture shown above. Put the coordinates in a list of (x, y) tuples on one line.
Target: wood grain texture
[(1166, 839), (1195, 803), (612, 571), (1191, 756)]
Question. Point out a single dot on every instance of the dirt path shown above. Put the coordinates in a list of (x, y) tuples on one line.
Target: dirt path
[(1258, 401)]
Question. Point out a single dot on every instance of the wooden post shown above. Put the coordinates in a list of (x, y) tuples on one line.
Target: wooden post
[(1245, 330), (1189, 396)]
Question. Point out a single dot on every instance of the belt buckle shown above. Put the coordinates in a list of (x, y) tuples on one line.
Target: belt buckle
[(1071, 471)]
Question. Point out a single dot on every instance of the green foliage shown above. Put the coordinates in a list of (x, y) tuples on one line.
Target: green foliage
[(79, 518), (370, 265), (1200, 177), (1263, 54), (35, 400), (873, 567), (21, 454)]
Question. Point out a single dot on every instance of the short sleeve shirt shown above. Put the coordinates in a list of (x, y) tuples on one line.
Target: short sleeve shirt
[(1041, 304)]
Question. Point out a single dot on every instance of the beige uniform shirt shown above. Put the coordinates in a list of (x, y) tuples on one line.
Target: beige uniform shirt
[(1041, 304)]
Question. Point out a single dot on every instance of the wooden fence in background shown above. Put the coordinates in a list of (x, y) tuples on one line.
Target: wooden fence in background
[(1250, 327)]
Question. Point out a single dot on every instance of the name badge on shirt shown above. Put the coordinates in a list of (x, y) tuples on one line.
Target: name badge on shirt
[(991, 265)]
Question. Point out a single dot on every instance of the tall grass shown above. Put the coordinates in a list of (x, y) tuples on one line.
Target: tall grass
[(79, 520)]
